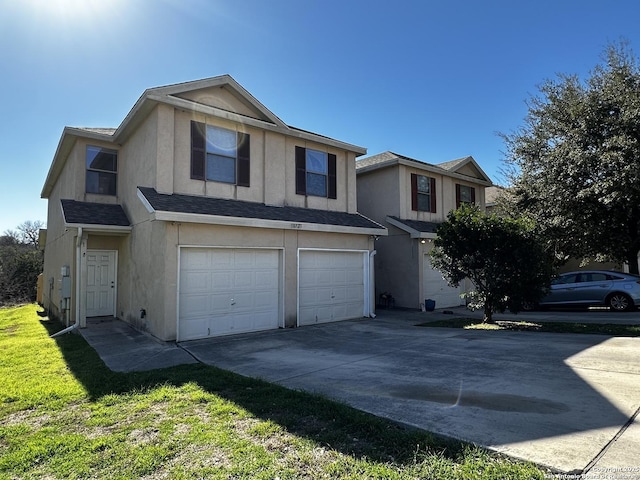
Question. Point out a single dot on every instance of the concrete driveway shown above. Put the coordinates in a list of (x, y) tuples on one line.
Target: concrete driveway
[(566, 401)]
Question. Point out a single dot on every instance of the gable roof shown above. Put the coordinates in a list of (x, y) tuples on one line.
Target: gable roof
[(452, 168), (174, 95), (210, 210), (106, 215)]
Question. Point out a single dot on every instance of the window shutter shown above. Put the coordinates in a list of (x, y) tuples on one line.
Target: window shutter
[(332, 178), (414, 192), (243, 178), (301, 171), (473, 196), (457, 195), (198, 155), (432, 194)]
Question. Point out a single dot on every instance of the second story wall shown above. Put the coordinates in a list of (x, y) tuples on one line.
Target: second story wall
[(447, 194), (272, 167)]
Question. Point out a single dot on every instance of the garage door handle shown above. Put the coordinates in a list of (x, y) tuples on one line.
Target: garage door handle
[(233, 302)]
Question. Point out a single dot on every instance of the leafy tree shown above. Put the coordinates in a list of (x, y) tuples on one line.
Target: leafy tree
[(503, 257), (20, 263), (575, 164)]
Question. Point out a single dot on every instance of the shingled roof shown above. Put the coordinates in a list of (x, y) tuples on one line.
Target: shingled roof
[(417, 225), (192, 204), (89, 213)]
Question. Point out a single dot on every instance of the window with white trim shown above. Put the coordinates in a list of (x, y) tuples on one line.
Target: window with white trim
[(102, 170)]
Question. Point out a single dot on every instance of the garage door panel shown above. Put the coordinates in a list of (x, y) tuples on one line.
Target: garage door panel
[(220, 281), (266, 278), (226, 291), (195, 305), (355, 294), (354, 277), (197, 281), (266, 259), (195, 260), (339, 277), (243, 301), (220, 325), (243, 279), (436, 287), (196, 328), (265, 301), (331, 286), (221, 259), (219, 302)]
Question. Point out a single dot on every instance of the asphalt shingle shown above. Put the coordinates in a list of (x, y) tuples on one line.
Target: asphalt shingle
[(424, 227), (180, 203), (91, 213)]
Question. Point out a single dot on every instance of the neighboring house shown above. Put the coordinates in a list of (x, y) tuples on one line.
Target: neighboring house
[(203, 214), (491, 196), (411, 198)]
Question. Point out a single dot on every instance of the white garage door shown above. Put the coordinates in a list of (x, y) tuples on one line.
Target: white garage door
[(331, 286), (436, 287), (226, 291)]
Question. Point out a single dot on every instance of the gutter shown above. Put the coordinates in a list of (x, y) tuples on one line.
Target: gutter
[(78, 259), (372, 285)]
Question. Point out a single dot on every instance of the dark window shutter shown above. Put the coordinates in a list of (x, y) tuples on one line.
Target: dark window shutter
[(301, 171), (244, 164), (198, 155), (473, 196), (414, 191), (332, 178), (432, 194), (457, 195)]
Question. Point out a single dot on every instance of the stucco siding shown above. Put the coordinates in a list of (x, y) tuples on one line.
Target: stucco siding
[(378, 192), (397, 268), (222, 98), (159, 297)]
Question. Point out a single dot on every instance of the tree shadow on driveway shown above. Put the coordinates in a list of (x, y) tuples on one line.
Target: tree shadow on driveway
[(555, 399)]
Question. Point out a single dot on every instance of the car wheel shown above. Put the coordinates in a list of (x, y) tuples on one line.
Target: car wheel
[(619, 302), (528, 306)]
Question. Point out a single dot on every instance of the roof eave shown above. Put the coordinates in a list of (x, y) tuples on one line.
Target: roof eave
[(99, 228), (262, 223)]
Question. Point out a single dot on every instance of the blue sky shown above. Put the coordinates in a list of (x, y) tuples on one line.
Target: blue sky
[(433, 80)]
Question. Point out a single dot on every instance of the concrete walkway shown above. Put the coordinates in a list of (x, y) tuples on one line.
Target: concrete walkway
[(566, 401)]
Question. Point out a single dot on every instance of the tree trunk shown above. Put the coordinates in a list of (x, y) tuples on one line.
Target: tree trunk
[(488, 314)]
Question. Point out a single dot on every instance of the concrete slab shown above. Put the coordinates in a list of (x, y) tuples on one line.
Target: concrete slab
[(125, 349), (555, 399)]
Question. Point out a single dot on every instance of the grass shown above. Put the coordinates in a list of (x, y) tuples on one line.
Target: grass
[(63, 414), (553, 327)]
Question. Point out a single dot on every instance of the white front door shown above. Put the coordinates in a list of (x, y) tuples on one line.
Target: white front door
[(331, 286), (101, 283)]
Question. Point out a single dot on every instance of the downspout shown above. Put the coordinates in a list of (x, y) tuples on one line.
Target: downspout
[(372, 285), (78, 271)]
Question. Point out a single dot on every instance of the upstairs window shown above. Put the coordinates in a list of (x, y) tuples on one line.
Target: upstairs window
[(423, 193), (102, 168), (219, 155), (315, 173), (465, 194)]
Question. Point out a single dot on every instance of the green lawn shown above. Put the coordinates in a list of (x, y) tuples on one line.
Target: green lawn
[(554, 327), (63, 414)]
